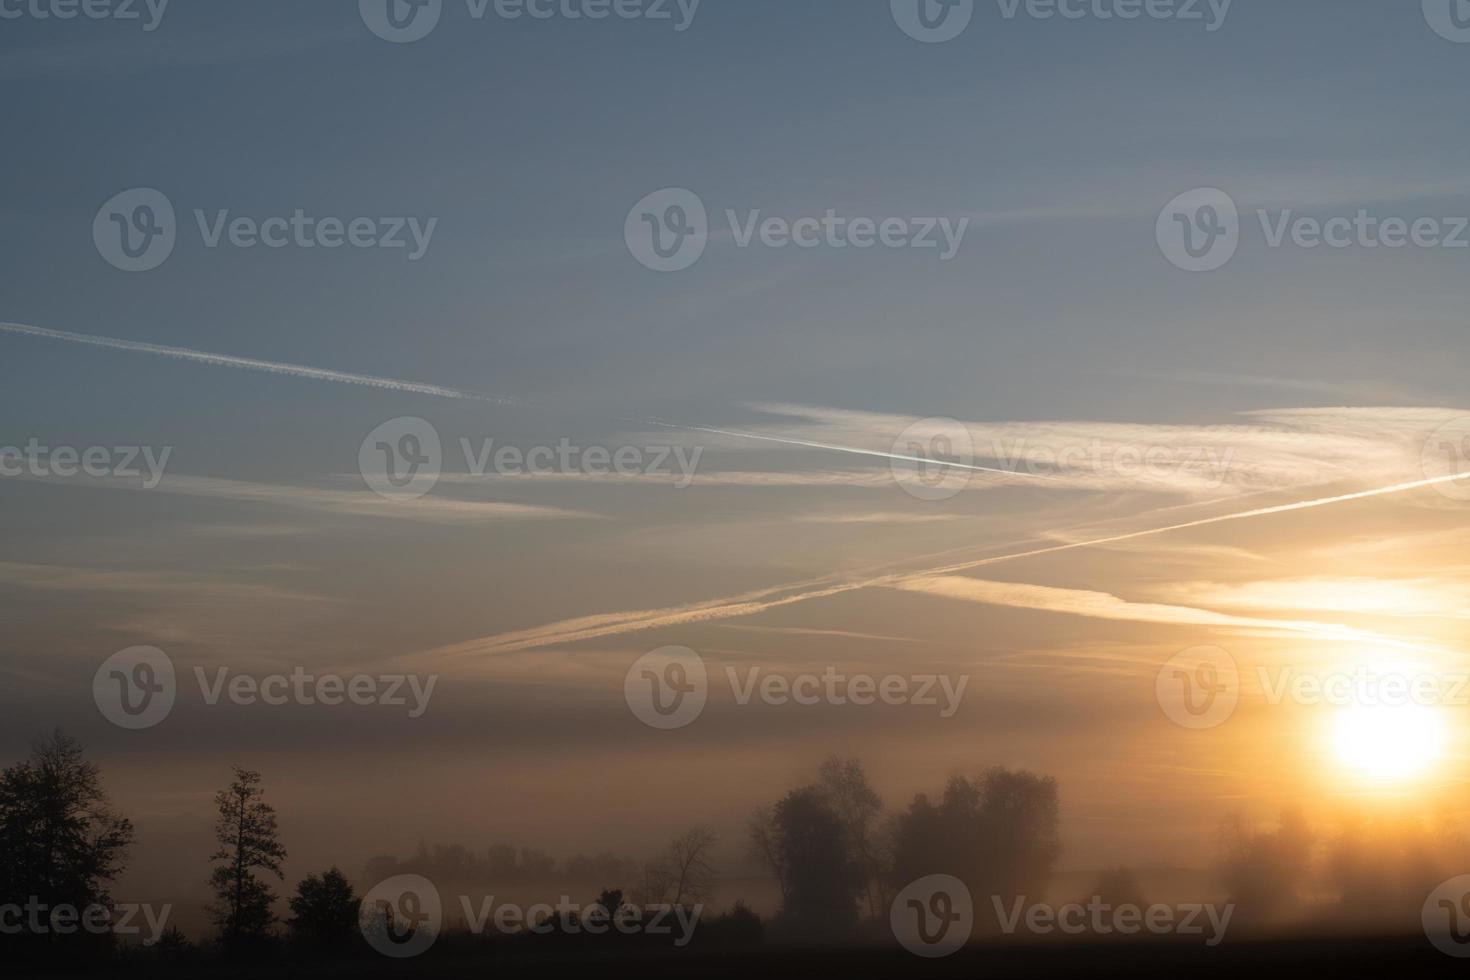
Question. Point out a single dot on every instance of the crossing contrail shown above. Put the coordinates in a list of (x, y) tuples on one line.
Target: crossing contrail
[(719, 608), (751, 603)]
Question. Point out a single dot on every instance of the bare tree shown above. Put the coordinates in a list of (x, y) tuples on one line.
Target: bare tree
[(765, 847), (684, 873)]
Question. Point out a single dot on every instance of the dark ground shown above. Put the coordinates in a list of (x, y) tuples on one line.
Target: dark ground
[(1384, 958)]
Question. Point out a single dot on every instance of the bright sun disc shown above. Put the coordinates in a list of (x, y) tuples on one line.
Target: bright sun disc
[(1385, 742)]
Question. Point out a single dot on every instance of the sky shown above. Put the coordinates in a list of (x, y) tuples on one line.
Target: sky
[(773, 403)]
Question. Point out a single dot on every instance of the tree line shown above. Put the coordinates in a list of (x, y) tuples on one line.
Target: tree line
[(835, 853)]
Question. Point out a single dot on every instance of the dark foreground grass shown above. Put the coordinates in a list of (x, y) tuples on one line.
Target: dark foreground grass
[(1386, 957)]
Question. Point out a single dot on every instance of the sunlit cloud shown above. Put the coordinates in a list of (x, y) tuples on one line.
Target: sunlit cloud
[(1366, 595)]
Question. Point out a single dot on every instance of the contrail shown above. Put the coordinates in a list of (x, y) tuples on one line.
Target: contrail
[(832, 447), (439, 391), (251, 364), (750, 603)]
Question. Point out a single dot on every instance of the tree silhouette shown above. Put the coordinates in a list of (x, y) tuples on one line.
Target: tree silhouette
[(857, 804), (764, 845), (246, 831), (1117, 887), (823, 882), (324, 910), (998, 834), (610, 901), (59, 841), (1383, 864), (1265, 870)]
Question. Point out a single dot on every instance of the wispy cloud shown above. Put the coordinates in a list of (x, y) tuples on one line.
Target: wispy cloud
[(343, 503), (1412, 598), (195, 585), (1104, 605)]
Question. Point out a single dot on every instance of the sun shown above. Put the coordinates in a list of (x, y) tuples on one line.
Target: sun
[(1387, 743)]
